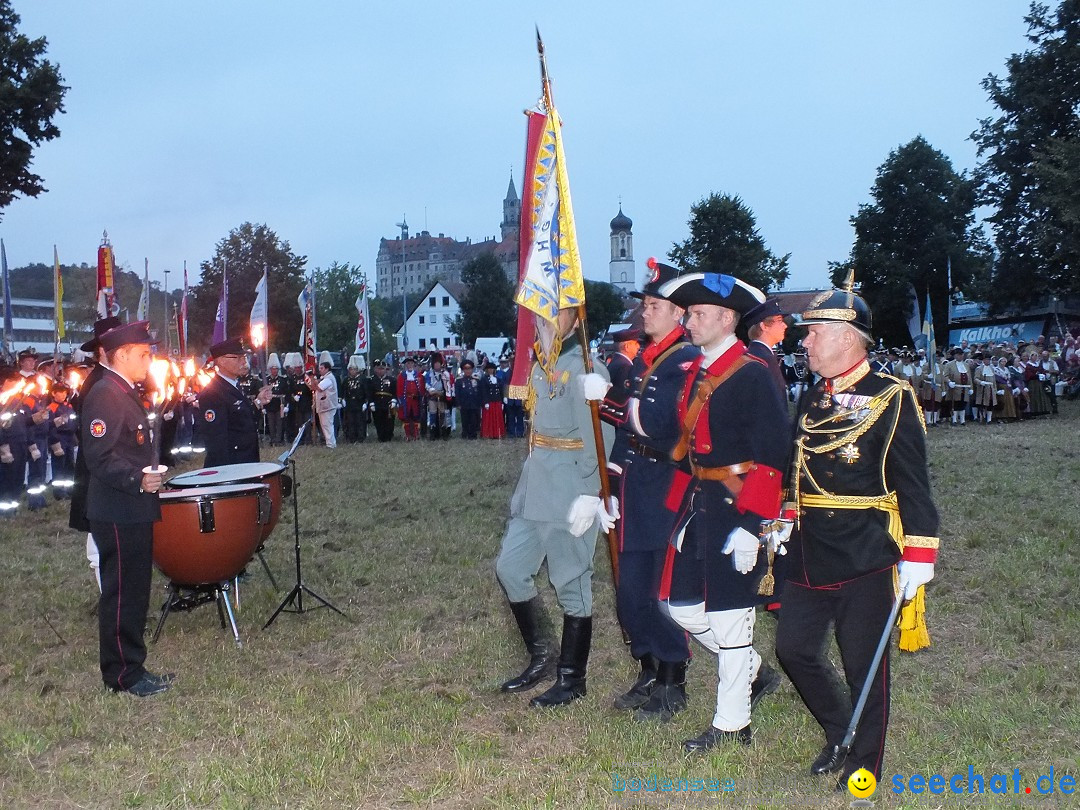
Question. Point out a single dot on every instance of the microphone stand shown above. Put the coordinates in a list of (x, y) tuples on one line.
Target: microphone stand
[(294, 599)]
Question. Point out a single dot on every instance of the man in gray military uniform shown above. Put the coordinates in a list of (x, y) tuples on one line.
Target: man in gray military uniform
[(555, 514)]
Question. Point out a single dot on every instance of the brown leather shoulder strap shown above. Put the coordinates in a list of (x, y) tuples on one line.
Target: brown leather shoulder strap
[(702, 394), (670, 350)]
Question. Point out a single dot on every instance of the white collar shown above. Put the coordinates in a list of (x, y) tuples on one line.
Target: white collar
[(713, 354)]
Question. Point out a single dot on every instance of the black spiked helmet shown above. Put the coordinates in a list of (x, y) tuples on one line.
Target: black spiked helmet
[(840, 306)]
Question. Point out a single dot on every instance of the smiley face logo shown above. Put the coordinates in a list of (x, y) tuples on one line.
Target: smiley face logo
[(862, 784)]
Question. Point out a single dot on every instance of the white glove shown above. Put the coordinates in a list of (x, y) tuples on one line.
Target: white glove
[(911, 575), (59, 421), (1042, 378), (393, 403), (594, 386), (779, 532), (952, 384), (285, 409), (1001, 392), (607, 517), (745, 548), (506, 401), (583, 512), (487, 406)]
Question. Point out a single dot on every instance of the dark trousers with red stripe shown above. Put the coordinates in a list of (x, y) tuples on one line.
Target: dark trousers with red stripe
[(858, 611), (126, 567), (651, 630)]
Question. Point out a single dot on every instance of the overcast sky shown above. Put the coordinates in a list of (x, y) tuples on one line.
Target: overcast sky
[(329, 120)]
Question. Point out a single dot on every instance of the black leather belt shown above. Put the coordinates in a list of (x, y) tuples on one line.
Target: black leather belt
[(650, 453)]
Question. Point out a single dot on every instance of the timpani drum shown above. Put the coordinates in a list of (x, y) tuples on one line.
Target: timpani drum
[(262, 472), (207, 535)]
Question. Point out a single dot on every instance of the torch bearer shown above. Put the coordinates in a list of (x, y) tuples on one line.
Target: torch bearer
[(7, 412)]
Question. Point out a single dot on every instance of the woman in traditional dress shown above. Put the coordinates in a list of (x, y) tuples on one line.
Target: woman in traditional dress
[(492, 425), (1006, 402), (1035, 379)]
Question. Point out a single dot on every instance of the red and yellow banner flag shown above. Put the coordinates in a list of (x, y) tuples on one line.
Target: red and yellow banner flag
[(107, 304), (550, 277)]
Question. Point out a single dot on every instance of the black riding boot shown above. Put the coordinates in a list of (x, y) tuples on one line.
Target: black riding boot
[(668, 696), (639, 692), (573, 661), (541, 655)]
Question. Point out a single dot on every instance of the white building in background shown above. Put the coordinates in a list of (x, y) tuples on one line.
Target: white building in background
[(428, 324), (34, 324), (622, 270)]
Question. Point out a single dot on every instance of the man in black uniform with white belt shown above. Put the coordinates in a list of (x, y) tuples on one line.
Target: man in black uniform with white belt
[(122, 506)]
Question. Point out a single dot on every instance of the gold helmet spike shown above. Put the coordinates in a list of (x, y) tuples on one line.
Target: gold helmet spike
[(849, 282)]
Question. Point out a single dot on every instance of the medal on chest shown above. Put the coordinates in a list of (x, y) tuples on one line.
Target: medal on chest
[(849, 453)]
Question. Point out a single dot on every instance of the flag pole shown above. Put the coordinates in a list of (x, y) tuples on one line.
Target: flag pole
[(58, 293), (583, 337)]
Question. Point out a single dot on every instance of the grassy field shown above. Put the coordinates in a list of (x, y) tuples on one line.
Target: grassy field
[(399, 705)]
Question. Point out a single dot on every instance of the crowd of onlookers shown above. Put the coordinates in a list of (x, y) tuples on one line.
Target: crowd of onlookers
[(979, 382)]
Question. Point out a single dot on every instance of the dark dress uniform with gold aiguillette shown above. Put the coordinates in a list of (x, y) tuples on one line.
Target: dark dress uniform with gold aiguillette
[(382, 398), (864, 504), (227, 424), (116, 438)]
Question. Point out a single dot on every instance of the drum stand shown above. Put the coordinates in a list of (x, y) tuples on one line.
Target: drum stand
[(294, 599), (198, 595)]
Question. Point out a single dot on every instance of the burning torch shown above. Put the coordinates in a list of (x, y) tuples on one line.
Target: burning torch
[(159, 373)]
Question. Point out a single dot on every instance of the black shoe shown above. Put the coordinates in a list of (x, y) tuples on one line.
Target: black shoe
[(144, 687), (638, 694), (712, 737), (573, 661), (830, 760), (165, 678), (668, 696), (765, 683), (541, 656)]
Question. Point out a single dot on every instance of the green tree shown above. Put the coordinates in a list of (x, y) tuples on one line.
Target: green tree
[(385, 321), (1029, 172), (604, 305), (922, 214), (487, 308), (724, 239), (31, 95), (336, 289), (244, 252)]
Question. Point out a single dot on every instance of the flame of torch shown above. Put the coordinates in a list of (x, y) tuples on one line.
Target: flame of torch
[(11, 391), (257, 336), (159, 373), (74, 380)]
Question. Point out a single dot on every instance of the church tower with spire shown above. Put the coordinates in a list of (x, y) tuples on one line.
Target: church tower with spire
[(622, 270), (511, 221)]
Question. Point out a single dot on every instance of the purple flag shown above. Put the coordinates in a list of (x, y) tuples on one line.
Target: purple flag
[(220, 332)]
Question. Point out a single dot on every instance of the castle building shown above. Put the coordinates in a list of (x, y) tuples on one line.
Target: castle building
[(411, 264)]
